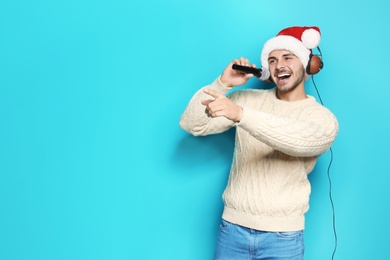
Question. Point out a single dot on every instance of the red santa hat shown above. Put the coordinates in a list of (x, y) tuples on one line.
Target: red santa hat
[(298, 40)]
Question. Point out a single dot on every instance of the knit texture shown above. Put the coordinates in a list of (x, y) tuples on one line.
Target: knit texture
[(277, 145)]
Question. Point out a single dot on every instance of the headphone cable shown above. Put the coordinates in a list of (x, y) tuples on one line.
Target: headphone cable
[(330, 182)]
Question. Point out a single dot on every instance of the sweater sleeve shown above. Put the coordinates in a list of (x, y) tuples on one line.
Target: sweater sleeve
[(311, 134), (194, 119)]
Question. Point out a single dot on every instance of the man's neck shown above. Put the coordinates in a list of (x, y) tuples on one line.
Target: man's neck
[(297, 94)]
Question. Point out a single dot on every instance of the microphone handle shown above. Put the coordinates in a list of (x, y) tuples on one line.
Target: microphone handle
[(247, 70)]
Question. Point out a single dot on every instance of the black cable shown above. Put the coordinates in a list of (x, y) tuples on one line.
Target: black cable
[(330, 182), (331, 201)]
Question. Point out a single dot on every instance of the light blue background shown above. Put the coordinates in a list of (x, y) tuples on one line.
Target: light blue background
[(93, 164)]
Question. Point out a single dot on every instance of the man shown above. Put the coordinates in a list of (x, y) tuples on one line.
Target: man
[(280, 133)]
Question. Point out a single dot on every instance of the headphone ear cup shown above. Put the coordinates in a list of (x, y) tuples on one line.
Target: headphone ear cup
[(314, 65)]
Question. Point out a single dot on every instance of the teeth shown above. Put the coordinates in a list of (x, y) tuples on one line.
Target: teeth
[(283, 75)]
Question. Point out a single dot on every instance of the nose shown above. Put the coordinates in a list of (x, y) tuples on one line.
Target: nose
[(280, 64)]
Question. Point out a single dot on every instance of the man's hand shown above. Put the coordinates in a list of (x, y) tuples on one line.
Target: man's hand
[(231, 78), (221, 106)]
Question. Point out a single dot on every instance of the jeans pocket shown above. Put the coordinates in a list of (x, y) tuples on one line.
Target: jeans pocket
[(291, 234), (224, 224)]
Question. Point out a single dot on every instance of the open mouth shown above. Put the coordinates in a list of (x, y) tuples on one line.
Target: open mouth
[(283, 76)]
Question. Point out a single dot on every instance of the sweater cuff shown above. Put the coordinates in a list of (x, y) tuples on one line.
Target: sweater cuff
[(246, 117), (219, 86)]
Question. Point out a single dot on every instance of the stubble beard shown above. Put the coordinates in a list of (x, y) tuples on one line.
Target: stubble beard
[(299, 79)]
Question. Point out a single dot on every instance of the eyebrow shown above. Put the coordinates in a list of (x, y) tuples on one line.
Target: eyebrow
[(284, 55)]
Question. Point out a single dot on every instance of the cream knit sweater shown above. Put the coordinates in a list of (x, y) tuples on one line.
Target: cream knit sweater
[(276, 146)]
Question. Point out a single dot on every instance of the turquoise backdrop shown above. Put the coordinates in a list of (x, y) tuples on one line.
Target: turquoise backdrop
[(94, 165)]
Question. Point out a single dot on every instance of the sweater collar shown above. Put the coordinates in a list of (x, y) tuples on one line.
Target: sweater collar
[(307, 101)]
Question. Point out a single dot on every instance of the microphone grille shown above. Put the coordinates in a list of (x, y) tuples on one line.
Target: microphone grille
[(265, 74)]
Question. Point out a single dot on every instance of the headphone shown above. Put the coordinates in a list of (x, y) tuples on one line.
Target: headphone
[(315, 63)]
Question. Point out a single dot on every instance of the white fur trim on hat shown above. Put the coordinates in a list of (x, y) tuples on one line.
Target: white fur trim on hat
[(288, 43)]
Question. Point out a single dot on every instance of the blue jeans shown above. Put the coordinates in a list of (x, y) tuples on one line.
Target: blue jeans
[(236, 242)]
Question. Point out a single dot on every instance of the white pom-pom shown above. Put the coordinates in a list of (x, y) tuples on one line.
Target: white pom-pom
[(311, 38)]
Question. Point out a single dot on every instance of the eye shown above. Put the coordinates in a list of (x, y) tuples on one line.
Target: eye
[(289, 57)]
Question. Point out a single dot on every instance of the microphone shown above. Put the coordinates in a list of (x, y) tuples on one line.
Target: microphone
[(262, 74)]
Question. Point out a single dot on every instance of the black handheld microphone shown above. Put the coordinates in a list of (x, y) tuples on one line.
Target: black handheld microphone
[(262, 74)]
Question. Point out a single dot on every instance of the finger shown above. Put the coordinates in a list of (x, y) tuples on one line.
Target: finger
[(213, 93), (216, 108), (207, 102), (249, 75), (244, 61), (216, 113), (235, 61)]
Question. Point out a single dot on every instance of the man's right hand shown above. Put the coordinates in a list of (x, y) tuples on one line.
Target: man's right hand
[(232, 78)]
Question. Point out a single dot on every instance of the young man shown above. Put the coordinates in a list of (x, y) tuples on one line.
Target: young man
[(280, 133)]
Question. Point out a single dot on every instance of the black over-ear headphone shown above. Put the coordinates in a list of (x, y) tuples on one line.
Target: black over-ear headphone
[(315, 63)]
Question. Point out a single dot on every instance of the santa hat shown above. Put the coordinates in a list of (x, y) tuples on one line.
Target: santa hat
[(298, 40)]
